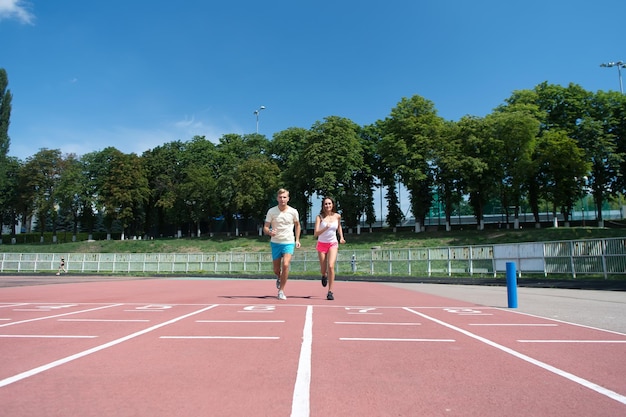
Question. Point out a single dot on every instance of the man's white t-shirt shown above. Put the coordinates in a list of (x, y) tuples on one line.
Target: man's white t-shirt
[(283, 222)]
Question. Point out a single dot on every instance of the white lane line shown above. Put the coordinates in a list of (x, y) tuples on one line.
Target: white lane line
[(107, 320), (13, 305), (35, 371), (515, 324), (43, 336), (595, 387), (301, 404), (240, 321), (59, 315), (388, 339), (378, 323), (571, 341), (223, 337)]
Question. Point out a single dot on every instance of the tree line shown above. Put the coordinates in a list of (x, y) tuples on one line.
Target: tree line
[(545, 146)]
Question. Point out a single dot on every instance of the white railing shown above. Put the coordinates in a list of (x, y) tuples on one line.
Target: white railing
[(600, 257)]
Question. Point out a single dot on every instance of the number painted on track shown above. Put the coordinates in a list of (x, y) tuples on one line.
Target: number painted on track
[(259, 308), (361, 309), (462, 310), (154, 307)]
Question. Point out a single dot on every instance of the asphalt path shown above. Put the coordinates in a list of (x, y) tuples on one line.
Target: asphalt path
[(595, 308)]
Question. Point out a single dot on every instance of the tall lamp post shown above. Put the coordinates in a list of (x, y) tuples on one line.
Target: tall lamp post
[(256, 113), (619, 65)]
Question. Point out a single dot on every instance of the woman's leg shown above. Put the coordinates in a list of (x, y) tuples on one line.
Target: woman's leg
[(332, 258), (323, 263)]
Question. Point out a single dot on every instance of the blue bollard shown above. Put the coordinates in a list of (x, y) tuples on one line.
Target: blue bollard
[(511, 284)]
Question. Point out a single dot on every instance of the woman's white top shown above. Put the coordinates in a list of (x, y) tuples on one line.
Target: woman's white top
[(330, 235)]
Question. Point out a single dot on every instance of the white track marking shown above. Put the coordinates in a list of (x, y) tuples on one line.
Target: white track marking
[(240, 321), (106, 320), (571, 341), (59, 315), (378, 323), (35, 371), (514, 324), (13, 305), (44, 336), (389, 339), (223, 337), (301, 403), (588, 384)]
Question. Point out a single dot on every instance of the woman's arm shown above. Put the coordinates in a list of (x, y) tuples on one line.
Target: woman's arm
[(339, 229)]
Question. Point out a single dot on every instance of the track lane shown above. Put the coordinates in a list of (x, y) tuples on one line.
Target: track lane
[(369, 355)]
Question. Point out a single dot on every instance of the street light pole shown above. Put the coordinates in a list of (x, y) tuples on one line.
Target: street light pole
[(619, 65), (256, 112)]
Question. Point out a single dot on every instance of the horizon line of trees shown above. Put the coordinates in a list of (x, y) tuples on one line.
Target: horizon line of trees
[(549, 145)]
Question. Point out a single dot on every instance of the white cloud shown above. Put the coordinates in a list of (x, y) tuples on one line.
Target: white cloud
[(16, 9)]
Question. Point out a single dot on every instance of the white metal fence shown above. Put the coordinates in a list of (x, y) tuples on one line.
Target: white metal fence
[(599, 257)]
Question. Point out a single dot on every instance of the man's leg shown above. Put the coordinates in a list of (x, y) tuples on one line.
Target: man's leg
[(277, 263), (284, 273)]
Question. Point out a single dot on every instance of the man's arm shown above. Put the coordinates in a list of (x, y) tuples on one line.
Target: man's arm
[(266, 229), (297, 225)]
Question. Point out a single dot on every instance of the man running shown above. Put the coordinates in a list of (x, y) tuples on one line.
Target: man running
[(280, 222)]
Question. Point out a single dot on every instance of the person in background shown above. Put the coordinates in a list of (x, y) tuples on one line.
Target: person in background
[(282, 223), (61, 267), (327, 227)]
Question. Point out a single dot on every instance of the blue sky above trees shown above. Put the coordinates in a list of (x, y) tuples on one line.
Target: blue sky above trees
[(135, 75)]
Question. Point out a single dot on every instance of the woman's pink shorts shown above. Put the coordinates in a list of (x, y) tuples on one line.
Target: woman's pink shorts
[(324, 247)]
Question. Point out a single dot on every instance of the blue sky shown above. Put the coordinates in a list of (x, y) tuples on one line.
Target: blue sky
[(136, 74)]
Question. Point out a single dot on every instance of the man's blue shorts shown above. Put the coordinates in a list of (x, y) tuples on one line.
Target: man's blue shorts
[(279, 249)]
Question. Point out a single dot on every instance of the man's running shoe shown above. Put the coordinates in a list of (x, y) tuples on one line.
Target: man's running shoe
[(324, 280), (329, 296), (281, 295)]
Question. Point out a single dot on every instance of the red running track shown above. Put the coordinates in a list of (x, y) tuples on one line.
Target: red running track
[(210, 347)]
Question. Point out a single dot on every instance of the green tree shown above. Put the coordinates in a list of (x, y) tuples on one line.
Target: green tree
[(480, 177), (415, 126), (388, 149), (370, 138), (600, 133), (232, 151), (334, 162), (43, 172), (5, 115), (122, 188), (563, 107), (254, 180), (515, 131), (561, 168), (198, 188), (448, 170), (71, 192), (9, 196), (164, 169), (6, 187), (287, 150)]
